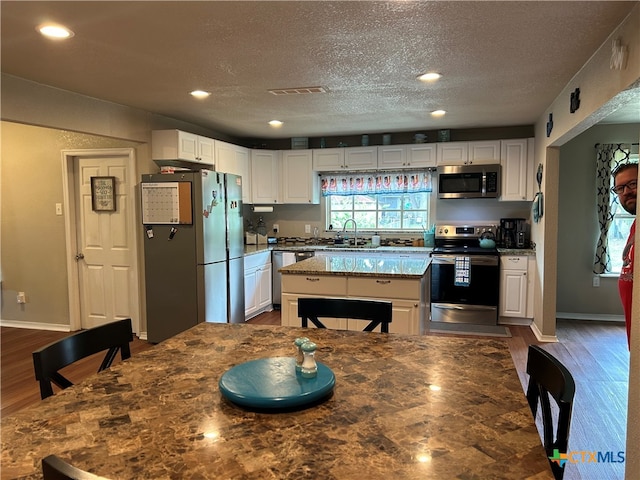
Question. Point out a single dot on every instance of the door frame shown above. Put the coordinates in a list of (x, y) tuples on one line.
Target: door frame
[(69, 158)]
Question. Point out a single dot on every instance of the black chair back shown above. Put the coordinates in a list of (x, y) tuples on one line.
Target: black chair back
[(51, 358), (377, 312), (550, 378), (54, 468)]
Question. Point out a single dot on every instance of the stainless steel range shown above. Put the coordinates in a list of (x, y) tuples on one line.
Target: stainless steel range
[(465, 278)]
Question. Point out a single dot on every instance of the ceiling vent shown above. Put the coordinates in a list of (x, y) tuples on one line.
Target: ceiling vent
[(298, 90)]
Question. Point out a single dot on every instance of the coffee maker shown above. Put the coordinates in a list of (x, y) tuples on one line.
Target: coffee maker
[(514, 233)]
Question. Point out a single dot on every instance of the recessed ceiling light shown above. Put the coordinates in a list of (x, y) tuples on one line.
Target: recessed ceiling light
[(438, 113), (55, 31), (429, 77), (276, 123), (200, 94)]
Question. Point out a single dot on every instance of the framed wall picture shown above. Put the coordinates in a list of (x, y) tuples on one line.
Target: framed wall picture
[(103, 194)]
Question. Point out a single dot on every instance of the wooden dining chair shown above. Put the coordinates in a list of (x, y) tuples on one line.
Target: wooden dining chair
[(376, 312), (549, 377), (57, 355), (54, 468)]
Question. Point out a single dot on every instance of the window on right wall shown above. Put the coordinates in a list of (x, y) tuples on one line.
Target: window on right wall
[(615, 221)]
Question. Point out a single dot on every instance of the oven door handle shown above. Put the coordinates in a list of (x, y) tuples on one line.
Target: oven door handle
[(441, 306), (475, 259)]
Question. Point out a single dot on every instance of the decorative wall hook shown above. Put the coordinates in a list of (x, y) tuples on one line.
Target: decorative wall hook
[(550, 125), (575, 101)]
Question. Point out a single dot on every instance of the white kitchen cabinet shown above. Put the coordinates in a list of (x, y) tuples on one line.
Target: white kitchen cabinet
[(516, 160), (406, 296), (348, 158), (514, 286), (328, 159), (485, 152), (468, 153), (257, 284), (407, 156), (361, 158), (265, 176), (452, 153), (234, 159), (300, 184), (179, 145)]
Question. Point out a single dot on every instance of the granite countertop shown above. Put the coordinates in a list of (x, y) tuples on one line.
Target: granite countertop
[(522, 252), (360, 267), (303, 247), (403, 407)]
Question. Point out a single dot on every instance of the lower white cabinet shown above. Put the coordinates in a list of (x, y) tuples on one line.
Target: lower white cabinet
[(257, 284), (516, 272), (406, 297)]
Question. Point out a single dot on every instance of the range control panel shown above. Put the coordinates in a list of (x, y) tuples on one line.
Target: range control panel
[(463, 231)]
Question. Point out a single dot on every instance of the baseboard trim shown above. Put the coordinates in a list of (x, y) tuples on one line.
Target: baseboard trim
[(590, 316), (52, 327), (543, 338)]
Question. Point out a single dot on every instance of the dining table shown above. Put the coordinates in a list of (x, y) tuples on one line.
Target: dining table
[(402, 407)]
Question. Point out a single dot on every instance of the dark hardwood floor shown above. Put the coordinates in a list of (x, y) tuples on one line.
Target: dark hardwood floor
[(595, 352)]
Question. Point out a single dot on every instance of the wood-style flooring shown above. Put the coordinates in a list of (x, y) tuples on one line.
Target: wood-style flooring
[(595, 353)]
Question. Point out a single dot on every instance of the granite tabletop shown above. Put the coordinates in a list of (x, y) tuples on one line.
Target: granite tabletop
[(403, 407), (356, 266)]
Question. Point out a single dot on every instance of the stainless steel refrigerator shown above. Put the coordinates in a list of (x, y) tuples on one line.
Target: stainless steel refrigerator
[(193, 250)]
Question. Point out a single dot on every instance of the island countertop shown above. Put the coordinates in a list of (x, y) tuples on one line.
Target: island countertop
[(354, 266), (403, 407)]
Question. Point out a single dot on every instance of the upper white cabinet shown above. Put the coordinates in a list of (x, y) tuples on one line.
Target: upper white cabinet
[(265, 176), (300, 184), (452, 153), (486, 152), (328, 159), (179, 145), (468, 153), (517, 162), (350, 158), (234, 159), (361, 158), (407, 156)]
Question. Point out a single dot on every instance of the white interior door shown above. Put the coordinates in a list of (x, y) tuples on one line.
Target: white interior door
[(105, 240)]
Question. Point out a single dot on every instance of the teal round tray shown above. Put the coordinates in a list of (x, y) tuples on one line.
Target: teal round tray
[(274, 383)]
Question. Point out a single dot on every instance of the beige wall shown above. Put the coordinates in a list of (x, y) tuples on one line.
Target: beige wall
[(33, 237), (578, 233), (602, 91)]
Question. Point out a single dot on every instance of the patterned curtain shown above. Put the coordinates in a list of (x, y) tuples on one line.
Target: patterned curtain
[(371, 183), (608, 157)]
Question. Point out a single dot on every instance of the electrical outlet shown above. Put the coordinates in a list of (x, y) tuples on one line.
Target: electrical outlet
[(596, 280), (276, 227), (58, 209), (307, 229), (22, 298)]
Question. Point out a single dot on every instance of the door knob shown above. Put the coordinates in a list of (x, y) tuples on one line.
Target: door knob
[(79, 256)]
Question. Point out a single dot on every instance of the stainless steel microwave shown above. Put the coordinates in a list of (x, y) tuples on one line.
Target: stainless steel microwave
[(469, 181)]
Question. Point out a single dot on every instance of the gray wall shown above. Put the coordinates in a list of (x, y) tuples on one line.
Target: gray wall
[(578, 226)]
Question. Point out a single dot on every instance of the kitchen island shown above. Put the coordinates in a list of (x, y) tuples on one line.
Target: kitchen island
[(403, 281), (403, 407)]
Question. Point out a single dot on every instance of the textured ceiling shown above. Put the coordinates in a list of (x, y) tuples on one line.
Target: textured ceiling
[(503, 63)]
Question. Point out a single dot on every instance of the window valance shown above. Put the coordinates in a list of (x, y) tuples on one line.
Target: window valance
[(372, 183)]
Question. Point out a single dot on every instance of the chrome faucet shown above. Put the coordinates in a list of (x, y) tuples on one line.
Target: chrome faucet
[(355, 230)]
